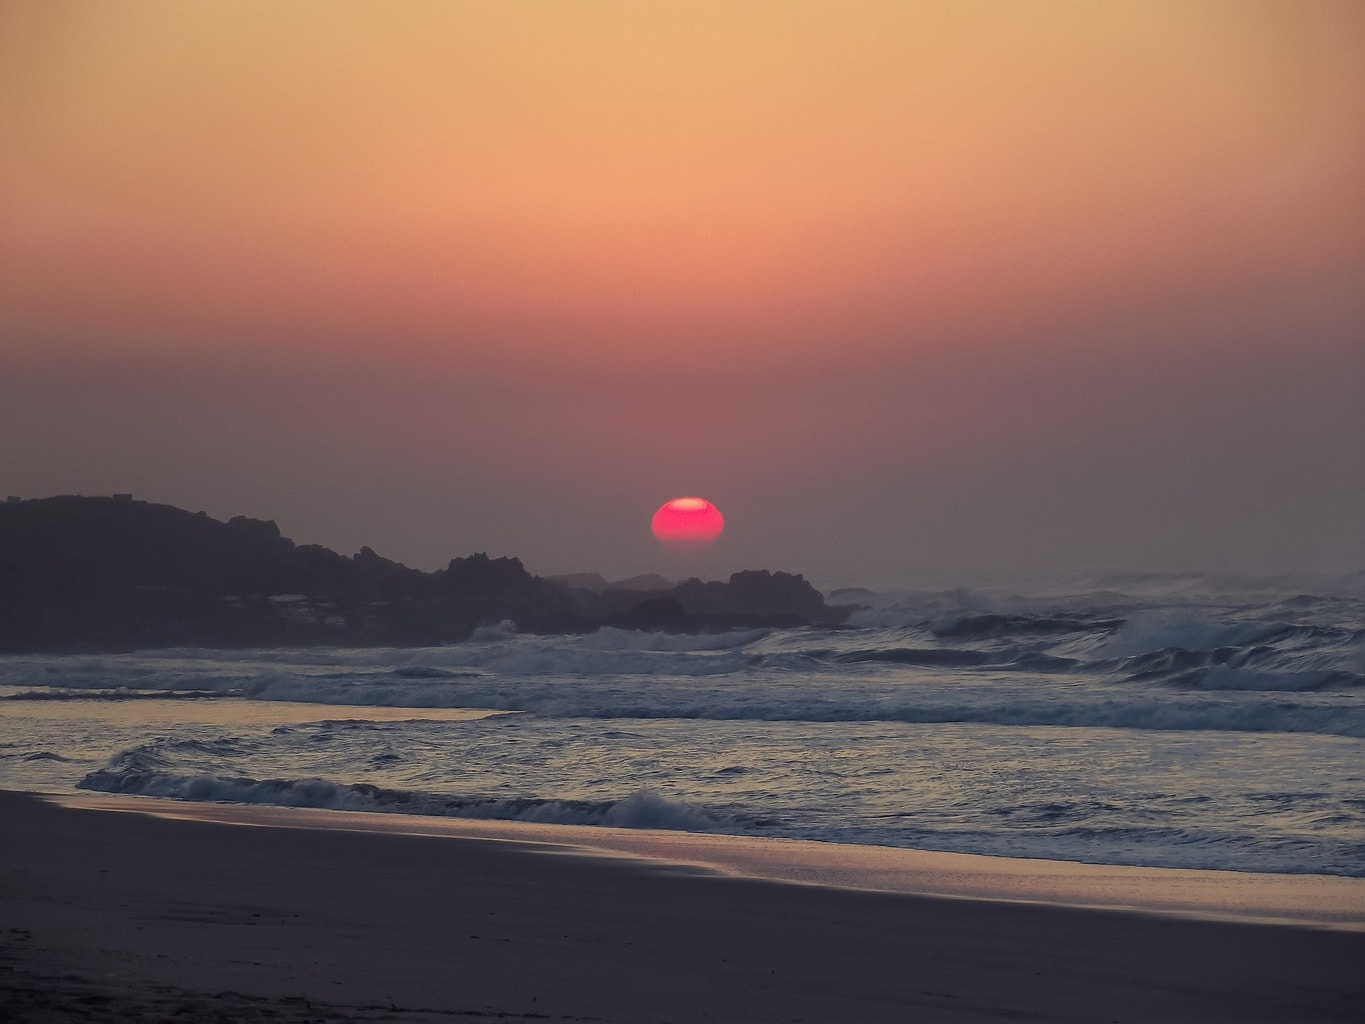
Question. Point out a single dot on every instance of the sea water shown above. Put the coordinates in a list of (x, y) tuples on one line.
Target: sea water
[(1147, 721)]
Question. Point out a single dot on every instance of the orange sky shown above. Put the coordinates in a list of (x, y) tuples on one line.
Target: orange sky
[(879, 243)]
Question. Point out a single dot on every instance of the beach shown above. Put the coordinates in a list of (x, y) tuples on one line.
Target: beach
[(293, 916)]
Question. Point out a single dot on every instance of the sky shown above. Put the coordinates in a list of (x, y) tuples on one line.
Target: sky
[(911, 291)]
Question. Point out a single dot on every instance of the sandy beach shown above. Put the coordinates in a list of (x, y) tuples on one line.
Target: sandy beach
[(110, 916)]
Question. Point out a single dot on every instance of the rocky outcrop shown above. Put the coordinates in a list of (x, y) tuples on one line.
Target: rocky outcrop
[(82, 573), (753, 598)]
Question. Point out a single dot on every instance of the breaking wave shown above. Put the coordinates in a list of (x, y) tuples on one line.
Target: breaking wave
[(1072, 829), (642, 809)]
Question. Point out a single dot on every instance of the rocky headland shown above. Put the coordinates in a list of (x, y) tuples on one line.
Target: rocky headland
[(112, 573)]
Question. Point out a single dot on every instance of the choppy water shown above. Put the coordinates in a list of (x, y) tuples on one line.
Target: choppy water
[(1163, 726)]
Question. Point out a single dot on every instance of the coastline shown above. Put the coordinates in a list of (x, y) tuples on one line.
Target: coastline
[(334, 916), (1313, 901)]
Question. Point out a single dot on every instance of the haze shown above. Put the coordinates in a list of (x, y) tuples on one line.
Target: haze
[(908, 290)]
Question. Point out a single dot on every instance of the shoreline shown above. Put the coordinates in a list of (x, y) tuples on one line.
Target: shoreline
[(1314, 901), (111, 915)]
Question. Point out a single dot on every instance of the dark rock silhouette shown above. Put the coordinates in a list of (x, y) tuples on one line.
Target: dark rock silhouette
[(113, 574), (664, 614), (596, 583), (754, 592)]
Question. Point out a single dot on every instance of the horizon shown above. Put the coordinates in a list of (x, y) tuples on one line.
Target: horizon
[(914, 294), (970, 587)]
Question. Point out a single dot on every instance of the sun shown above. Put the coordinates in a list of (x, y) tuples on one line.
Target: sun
[(687, 523)]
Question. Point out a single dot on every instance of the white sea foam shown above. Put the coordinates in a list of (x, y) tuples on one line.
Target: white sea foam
[(642, 809), (1148, 632)]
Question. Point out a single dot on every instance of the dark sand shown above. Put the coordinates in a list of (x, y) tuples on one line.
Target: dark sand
[(108, 916)]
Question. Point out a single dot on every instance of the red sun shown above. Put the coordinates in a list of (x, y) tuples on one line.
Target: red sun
[(687, 522)]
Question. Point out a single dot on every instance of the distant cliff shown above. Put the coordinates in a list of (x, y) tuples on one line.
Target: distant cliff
[(107, 574)]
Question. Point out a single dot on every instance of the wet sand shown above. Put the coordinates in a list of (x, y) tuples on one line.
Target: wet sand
[(107, 915)]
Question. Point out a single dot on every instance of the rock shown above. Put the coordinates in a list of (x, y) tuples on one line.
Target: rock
[(115, 574)]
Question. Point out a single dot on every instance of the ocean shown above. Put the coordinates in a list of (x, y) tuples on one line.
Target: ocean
[(1140, 720)]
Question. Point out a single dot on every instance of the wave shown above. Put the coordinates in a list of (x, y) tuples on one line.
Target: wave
[(116, 694), (893, 685), (1060, 831), (642, 809), (1166, 710), (925, 657), (995, 625), (1144, 634), (1292, 664), (1227, 677), (965, 612), (149, 758)]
